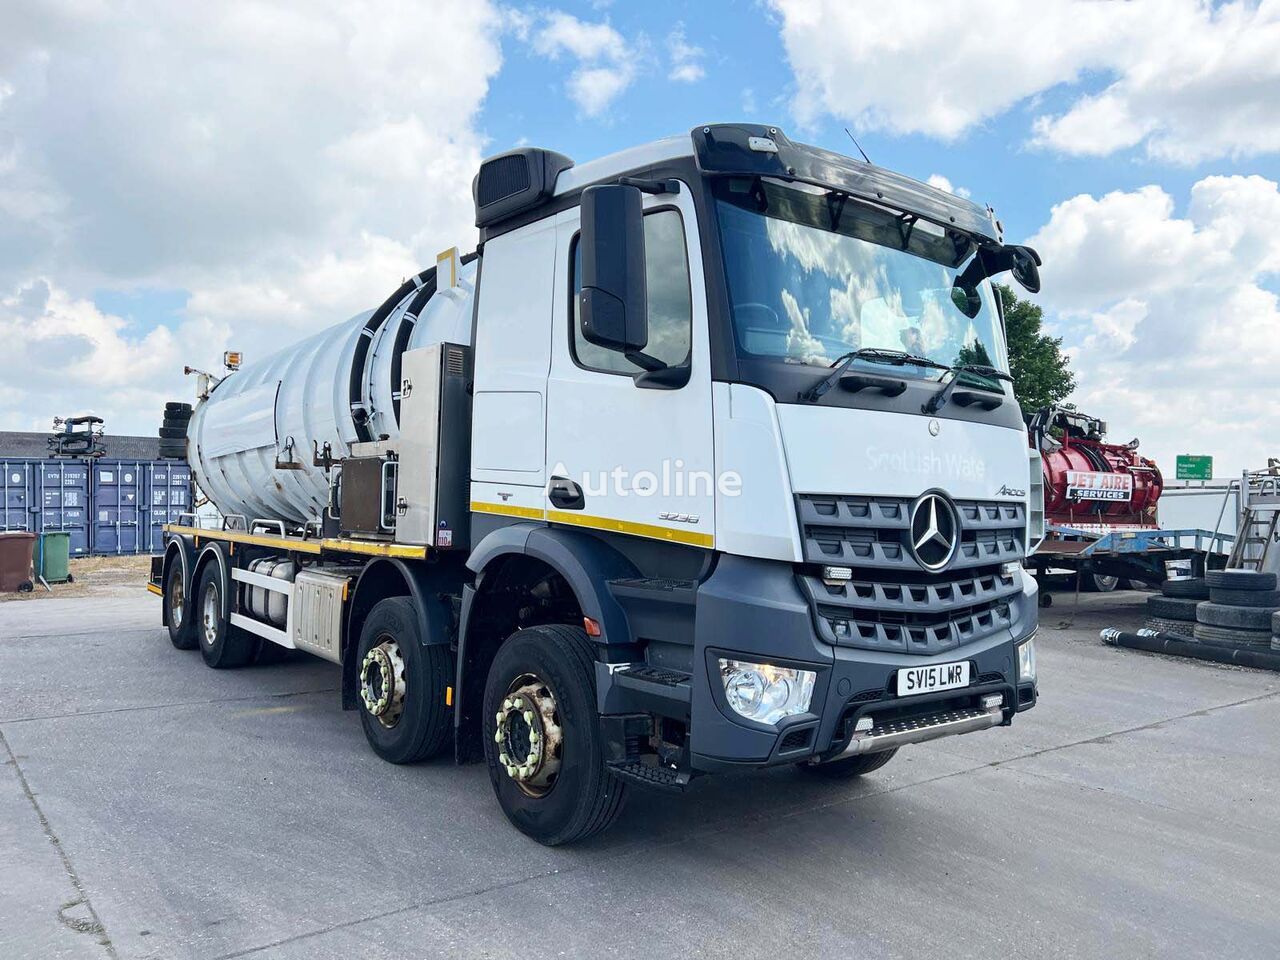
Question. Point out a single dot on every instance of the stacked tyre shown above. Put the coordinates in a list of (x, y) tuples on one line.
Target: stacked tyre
[(173, 431), (1174, 610), (1241, 610)]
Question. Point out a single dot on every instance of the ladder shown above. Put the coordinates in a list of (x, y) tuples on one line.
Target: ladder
[(1259, 526)]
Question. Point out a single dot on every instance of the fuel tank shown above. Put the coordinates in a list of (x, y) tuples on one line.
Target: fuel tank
[(251, 442)]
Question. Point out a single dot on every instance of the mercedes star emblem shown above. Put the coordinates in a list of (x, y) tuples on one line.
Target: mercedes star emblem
[(935, 531), (934, 427)]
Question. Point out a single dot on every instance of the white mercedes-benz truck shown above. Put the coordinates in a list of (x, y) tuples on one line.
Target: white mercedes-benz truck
[(706, 459)]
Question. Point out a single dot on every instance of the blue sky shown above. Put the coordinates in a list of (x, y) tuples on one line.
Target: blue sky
[(174, 181)]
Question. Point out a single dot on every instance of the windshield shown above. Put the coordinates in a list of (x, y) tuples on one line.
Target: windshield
[(814, 274)]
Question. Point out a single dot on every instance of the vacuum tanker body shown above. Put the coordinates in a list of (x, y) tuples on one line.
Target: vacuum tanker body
[(251, 442)]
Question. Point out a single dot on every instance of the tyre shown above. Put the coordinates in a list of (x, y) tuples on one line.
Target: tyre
[(850, 766), (178, 612), (173, 433), (542, 736), (1241, 618), (1244, 598), (1180, 628), (172, 424), (1171, 608), (1230, 637), (1241, 579), (1099, 583), (222, 646), (1275, 623), (173, 449), (1197, 589), (266, 653), (404, 684), (174, 406)]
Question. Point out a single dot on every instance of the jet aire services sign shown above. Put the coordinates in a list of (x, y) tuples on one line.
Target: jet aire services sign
[(1084, 485)]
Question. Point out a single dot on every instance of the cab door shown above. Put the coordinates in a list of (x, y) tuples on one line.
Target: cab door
[(622, 455)]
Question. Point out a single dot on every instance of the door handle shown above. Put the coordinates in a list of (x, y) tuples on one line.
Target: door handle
[(565, 494)]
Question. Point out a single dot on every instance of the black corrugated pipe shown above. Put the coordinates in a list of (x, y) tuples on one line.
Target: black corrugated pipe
[(405, 330), (359, 415), (1156, 642)]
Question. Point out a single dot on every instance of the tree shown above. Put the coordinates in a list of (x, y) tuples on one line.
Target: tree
[(1041, 374)]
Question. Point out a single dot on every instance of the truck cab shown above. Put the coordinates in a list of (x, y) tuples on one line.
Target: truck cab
[(747, 483)]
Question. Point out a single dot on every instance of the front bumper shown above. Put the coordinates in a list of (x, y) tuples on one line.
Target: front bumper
[(754, 610)]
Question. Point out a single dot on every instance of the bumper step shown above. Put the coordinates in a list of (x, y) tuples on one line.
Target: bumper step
[(897, 733), (651, 776)]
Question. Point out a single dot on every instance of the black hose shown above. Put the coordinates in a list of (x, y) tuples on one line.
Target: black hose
[(410, 320), (359, 415), (1156, 642)]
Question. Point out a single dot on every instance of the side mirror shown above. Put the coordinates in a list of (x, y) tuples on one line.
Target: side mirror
[(614, 300), (1023, 262), (1025, 267)]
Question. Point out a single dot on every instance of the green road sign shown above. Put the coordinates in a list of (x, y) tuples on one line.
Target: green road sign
[(1194, 468)]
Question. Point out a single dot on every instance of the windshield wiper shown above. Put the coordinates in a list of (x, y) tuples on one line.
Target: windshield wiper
[(897, 358), (935, 403)]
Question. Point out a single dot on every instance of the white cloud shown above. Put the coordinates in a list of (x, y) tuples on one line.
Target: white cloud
[(1185, 79), (1168, 318), (287, 164), (65, 357), (686, 59), (606, 64), (942, 183)]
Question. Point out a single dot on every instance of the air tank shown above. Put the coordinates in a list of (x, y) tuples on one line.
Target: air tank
[(251, 442)]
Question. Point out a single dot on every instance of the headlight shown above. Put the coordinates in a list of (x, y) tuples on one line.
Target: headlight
[(765, 693), (1027, 659)]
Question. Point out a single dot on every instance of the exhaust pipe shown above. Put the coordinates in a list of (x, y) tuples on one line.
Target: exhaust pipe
[(1155, 641)]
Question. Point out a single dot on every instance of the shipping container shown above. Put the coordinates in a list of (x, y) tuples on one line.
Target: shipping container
[(17, 508), (118, 502), (168, 488), (60, 492)]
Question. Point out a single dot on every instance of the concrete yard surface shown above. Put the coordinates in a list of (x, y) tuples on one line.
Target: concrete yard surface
[(153, 808)]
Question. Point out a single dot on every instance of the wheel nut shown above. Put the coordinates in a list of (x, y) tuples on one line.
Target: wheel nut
[(497, 718), (528, 716), (533, 736), (506, 704), (497, 736)]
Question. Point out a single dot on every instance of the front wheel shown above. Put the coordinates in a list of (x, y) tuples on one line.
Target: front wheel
[(850, 766), (542, 736)]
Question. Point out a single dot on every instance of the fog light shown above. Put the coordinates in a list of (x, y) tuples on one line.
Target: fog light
[(837, 574), (1027, 659), (864, 725), (1010, 568), (765, 693), (992, 700)]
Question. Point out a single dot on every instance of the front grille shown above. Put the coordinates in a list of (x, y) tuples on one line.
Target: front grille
[(893, 602)]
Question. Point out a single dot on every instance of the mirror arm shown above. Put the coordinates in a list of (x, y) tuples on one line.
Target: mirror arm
[(651, 186), (644, 361)]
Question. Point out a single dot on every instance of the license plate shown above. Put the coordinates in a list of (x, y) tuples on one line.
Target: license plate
[(938, 676)]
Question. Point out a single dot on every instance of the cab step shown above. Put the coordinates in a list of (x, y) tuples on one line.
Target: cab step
[(651, 776)]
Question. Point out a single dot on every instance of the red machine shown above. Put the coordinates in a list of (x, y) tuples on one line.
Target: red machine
[(1090, 484)]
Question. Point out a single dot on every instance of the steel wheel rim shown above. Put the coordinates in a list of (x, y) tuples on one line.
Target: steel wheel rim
[(383, 684), (529, 737), (176, 601), (212, 613)]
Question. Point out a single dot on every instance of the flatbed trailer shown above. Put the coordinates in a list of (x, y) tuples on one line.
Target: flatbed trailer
[(1125, 554)]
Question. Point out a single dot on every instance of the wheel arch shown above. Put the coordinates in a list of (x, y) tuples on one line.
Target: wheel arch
[(428, 585), (180, 551), (508, 565), (219, 554)]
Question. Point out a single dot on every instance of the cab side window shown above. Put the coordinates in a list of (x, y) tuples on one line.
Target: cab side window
[(670, 302)]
